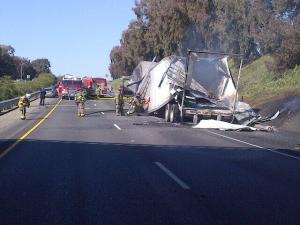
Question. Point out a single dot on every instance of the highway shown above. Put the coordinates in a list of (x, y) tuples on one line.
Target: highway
[(108, 169)]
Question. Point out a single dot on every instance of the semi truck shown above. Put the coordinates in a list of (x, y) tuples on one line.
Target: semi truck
[(196, 86)]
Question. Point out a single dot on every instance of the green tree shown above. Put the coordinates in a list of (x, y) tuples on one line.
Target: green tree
[(167, 27), (41, 65), (7, 50), (7, 61), (117, 66)]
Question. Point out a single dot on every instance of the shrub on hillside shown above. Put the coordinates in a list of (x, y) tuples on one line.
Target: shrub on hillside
[(7, 88), (287, 56), (10, 88)]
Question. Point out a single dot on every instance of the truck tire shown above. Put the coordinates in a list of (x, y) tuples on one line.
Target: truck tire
[(196, 119), (167, 112), (174, 114)]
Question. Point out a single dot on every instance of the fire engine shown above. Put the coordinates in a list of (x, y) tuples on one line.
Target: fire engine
[(91, 84), (68, 86)]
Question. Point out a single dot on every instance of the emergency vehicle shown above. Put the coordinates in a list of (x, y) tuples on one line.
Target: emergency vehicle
[(91, 84), (68, 86)]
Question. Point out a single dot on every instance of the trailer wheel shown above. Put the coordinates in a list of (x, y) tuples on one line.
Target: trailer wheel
[(167, 112), (174, 114), (196, 119)]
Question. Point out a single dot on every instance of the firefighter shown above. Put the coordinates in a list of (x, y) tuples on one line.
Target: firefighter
[(80, 101), (22, 104), (119, 102), (42, 96), (98, 91), (136, 105)]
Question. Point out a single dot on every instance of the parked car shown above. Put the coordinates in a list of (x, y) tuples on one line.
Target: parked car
[(51, 92), (69, 93)]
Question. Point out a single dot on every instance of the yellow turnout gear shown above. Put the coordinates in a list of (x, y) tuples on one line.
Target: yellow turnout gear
[(80, 100), (119, 104), (22, 104)]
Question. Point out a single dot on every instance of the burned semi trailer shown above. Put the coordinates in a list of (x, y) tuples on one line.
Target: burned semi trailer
[(199, 85)]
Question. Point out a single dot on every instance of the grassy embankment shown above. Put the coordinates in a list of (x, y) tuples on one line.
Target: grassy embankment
[(258, 84), (115, 84), (10, 88)]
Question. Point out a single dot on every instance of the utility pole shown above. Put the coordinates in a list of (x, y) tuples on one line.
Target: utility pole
[(21, 70)]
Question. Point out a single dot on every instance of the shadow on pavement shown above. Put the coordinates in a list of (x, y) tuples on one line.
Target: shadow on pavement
[(67, 182)]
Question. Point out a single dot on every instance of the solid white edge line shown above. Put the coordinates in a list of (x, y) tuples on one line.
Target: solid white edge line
[(253, 145), (116, 126), (173, 176), (284, 154), (234, 139)]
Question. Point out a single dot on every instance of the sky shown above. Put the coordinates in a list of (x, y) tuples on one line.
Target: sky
[(75, 35)]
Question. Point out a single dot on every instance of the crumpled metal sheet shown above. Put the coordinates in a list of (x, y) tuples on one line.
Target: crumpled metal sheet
[(225, 126)]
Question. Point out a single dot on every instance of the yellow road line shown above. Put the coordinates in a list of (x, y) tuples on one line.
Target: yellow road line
[(108, 98), (29, 132), (67, 105), (89, 108), (101, 109)]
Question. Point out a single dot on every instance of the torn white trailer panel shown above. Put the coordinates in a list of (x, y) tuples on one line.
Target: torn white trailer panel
[(156, 91), (138, 74), (221, 125), (225, 126), (212, 72)]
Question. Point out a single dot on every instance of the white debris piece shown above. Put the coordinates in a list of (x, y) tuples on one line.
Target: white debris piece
[(275, 115), (221, 125)]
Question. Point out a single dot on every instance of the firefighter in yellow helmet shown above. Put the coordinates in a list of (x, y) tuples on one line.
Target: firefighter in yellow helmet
[(136, 105), (119, 102), (98, 91), (80, 101), (23, 104)]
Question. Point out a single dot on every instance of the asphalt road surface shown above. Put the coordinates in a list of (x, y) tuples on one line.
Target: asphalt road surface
[(107, 169)]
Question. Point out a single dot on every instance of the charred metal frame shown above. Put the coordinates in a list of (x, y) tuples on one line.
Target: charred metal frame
[(187, 71)]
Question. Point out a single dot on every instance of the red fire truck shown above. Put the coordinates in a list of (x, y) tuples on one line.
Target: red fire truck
[(68, 86), (91, 84)]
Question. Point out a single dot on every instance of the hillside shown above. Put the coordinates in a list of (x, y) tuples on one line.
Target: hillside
[(267, 93), (259, 85), (10, 88)]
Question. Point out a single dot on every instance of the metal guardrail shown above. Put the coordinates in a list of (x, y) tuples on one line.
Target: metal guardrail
[(10, 104)]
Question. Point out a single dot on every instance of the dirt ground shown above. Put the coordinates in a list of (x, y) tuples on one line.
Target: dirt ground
[(289, 107)]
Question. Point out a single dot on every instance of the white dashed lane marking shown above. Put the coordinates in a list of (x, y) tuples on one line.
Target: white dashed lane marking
[(173, 176), (116, 126)]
